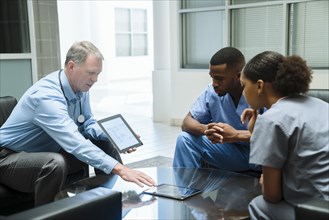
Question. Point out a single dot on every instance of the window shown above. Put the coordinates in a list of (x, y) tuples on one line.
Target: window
[(234, 2), (131, 32), (288, 27), (253, 35), (202, 33), (308, 32), (14, 26), (202, 38), (201, 4)]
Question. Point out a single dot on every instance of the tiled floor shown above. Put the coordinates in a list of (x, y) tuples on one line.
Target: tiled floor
[(133, 99), (158, 139)]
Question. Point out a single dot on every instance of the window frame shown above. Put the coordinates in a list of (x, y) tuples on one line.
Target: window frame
[(228, 8), (131, 33), (32, 55)]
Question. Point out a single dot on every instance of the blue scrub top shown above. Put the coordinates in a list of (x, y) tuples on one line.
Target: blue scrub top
[(210, 107)]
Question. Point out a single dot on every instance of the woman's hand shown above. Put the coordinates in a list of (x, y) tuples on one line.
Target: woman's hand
[(249, 115), (261, 180)]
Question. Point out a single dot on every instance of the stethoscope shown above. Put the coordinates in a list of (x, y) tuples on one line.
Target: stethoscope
[(81, 117)]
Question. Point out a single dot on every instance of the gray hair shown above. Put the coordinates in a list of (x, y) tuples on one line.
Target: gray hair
[(79, 52)]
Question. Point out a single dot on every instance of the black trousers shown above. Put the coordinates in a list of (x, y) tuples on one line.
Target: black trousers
[(44, 173)]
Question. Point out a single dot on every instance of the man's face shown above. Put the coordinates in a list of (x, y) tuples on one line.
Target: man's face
[(224, 78), (84, 76)]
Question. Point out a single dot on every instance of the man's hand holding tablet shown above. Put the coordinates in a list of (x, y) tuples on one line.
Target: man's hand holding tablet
[(121, 135)]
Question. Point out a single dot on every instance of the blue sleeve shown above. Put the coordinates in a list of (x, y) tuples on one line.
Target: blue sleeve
[(268, 143), (200, 109), (51, 115)]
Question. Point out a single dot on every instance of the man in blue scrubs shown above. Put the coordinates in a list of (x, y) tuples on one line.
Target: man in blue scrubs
[(52, 132), (216, 114)]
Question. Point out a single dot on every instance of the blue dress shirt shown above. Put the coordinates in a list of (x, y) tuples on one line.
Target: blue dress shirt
[(45, 120)]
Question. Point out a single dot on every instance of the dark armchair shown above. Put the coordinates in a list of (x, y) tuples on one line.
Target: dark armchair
[(312, 209), (7, 104), (98, 203), (12, 201), (322, 94)]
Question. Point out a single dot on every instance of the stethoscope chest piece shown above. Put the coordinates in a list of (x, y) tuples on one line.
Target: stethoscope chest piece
[(81, 119)]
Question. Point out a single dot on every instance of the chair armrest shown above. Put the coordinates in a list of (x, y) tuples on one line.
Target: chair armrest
[(322, 94), (98, 203), (7, 104), (312, 209)]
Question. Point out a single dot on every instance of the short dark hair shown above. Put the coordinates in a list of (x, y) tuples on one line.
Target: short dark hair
[(229, 55), (289, 75)]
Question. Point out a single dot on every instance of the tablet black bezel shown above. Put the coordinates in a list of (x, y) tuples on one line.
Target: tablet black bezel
[(153, 191), (139, 142)]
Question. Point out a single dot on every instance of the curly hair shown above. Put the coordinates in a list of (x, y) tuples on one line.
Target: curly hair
[(289, 75)]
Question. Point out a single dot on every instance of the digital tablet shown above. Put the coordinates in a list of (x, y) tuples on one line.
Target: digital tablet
[(172, 191), (119, 133)]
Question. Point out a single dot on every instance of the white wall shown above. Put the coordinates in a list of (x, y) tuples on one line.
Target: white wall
[(174, 90), (73, 20), (162, 63), (94, 21), (186, 85), (320, 79)]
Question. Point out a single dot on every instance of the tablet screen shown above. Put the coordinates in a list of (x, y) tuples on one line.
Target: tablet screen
[(172, 191), (120, 133)]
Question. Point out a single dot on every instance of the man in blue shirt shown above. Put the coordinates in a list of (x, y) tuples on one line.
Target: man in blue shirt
[(51, 131), (216, 114)]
